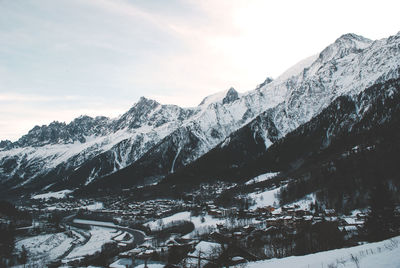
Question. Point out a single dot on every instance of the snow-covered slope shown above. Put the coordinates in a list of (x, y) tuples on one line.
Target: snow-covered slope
[(374, 255), (89, 148), (64, 148), (348, 66)]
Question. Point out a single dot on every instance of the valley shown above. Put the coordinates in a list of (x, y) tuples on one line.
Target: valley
[(303, 166)]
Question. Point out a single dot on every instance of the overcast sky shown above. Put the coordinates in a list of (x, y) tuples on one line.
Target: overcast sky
[(63, 58)]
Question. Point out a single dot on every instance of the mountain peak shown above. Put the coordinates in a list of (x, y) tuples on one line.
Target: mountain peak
[(352, 36), (346, 44), (143, 104), (266, 82), (146, 101), (5, 144), (226, 96), (230, 96)]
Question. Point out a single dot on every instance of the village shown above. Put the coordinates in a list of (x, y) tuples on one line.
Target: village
[(195, 232)]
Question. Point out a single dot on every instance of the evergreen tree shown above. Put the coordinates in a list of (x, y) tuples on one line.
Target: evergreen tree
[(381, 222), (23, 256)]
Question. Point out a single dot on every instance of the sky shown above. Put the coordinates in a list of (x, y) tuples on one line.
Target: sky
[(65, 58)]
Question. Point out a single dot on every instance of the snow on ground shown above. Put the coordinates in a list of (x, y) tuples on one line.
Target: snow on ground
[(205, 249), (95, 206), (297, 68), (91, 207), (374, 255), (99, 237), (45, 247), (125, 262), (151, 266), (154, 225), (266, 198), (303, 203), (89, 222), (262, 177), (199, 225), (57, 195)]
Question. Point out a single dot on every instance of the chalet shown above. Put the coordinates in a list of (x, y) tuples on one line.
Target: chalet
[(300, 213), (267, 209), (349, 231), (361, 216), (270, 229), (146, 254), (248, 228), (287, 208), (216, 213), (330, 212), (353, 222), (317, 219), (272, 221), (276, 213), (237, 234), (308, 218), (172, 242), (288, 220), (130, 253)]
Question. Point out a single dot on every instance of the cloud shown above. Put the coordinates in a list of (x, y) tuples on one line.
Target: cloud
[(15, 97)]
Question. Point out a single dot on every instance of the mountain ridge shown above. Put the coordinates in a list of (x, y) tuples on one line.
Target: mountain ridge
[(345, 67)]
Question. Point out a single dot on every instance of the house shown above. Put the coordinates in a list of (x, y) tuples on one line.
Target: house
[(272, 221), (288, 220), (330, 212)]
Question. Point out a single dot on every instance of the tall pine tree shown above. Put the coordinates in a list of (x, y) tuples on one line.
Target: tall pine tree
[(381, 222)]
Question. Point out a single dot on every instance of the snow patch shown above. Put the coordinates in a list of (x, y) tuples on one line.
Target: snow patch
[(381, 254), (266, 198), (262, 177), (57, 195), (99, 237)]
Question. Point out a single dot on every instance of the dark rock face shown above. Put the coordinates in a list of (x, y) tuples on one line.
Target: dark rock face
[(266, 82), (231, 96)]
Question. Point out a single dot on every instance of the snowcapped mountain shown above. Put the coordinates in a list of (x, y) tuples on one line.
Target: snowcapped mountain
[(152, 140), (346, 67), (88, 148)]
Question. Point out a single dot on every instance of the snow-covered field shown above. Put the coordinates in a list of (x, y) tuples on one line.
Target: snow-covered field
[(266, 198), (262, 177), (385, 254), (197, 221), (57, 195), (203, 249), (99, 237), (45, 247)]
